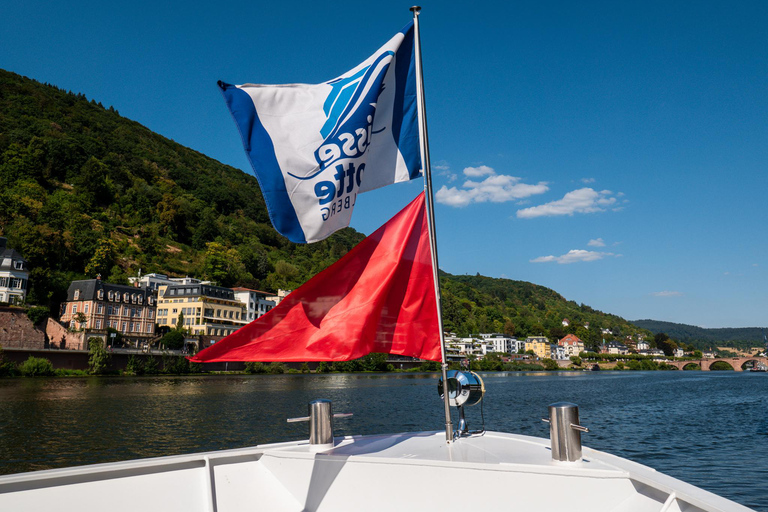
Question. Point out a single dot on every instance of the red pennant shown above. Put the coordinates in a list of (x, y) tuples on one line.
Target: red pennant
[(380, 297)]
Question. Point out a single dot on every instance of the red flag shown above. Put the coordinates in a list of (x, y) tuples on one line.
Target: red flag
[(380, 297)]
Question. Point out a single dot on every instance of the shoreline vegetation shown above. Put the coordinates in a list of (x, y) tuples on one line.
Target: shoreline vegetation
[(100, 364)]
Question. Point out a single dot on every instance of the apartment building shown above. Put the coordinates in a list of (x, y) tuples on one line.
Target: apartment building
[(204, 309), (95, 305), (256, 303), (539, 345), (14, 275)]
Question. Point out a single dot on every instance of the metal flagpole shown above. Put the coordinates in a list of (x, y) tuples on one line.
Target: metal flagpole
[(424, 146)]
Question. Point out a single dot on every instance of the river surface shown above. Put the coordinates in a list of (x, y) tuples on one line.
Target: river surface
[(707, 428)]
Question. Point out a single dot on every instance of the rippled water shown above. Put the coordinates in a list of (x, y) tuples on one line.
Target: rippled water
[(707, 428)]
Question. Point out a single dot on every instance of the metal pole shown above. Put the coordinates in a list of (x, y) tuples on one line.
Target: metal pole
[(424, 146)]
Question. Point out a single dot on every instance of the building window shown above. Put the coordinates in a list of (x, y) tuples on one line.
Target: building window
[(74, 309), (149, 328), (125, 326), (99, 308), (100, 295), (98, 324), (149, 314), (77, 294), (18, 265), (111, 296), (85, 310)]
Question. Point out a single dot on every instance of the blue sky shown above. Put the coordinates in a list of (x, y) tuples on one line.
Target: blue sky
[(615, 152)]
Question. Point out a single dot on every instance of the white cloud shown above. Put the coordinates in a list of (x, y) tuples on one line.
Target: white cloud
[(583, 200), (597, 242), (667, 293), (574, 256), (587, 180), (496, 188), (477, 172)]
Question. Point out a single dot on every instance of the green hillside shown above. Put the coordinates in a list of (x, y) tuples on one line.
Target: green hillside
[(84, 191), (474, 304), (702, 338)]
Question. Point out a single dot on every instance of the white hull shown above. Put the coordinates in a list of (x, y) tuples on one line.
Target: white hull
[(415, 471)]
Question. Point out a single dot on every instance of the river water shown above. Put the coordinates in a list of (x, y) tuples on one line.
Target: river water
[(707, 428)]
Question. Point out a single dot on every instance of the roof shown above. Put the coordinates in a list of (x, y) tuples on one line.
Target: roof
[(6, 253), (89, 288), (570, 339), (241, 289), (191, 290)]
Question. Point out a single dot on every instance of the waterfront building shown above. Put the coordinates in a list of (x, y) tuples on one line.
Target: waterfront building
[(557, 352), (14, 275), (94, 305), (539, 345), (281, 294), (566, 322), (501, 343), (256, 302), (572, 345), (155, 281), (204, 308), (678, 352), (642, 345), (615, 347)]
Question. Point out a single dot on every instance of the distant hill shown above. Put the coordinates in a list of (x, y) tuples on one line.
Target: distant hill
[(741, 337), (84, 191), (477, 303)]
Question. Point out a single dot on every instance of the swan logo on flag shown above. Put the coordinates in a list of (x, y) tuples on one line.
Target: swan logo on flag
[(313, 148)]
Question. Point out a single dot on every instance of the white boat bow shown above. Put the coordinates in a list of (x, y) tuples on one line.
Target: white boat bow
[(414, 471)]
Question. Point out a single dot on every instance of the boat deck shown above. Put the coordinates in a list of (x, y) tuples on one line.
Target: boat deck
[(415, 471)]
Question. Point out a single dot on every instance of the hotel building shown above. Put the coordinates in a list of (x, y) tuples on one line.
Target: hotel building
[(205, 309), (127, 309)]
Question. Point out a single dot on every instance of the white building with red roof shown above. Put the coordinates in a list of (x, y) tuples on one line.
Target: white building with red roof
[(572, 344)]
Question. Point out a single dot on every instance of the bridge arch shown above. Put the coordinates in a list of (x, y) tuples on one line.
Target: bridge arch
[(722, 365), (751, 362), (690, 365)]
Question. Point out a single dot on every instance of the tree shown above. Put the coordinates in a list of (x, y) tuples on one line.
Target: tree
[(103, 258), (222, 265), (38, 314), (36, 367), (174, 340), (550, 364), (98, 357), (78, 319), (576, 360), (180, 323)]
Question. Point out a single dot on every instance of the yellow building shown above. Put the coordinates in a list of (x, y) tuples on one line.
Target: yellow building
[(539, 345), (205, 309)]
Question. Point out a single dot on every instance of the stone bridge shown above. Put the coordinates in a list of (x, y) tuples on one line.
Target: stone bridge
[(735, 362)]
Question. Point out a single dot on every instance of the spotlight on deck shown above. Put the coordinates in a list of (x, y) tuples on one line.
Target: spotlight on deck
[(464, 389)]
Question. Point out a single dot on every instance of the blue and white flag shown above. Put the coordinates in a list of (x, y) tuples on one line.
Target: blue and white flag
[(315, 147)]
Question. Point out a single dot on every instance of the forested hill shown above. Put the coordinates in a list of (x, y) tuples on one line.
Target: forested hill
[(84, 191), (743, 337), (473, 304)]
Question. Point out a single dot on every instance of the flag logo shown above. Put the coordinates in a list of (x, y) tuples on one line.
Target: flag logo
[(313, 148)]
